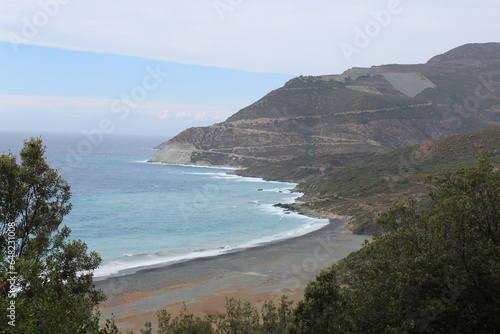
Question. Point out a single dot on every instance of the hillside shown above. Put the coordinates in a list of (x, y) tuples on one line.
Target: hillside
[(363, 190), (349, 117)]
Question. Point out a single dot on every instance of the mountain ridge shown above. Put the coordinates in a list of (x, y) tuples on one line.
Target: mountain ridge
[(361, 111), (468, 52)]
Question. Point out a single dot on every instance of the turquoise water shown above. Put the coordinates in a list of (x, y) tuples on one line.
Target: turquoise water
[(138, 214)]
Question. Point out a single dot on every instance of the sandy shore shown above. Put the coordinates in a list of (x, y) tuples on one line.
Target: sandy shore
[(253, 275)]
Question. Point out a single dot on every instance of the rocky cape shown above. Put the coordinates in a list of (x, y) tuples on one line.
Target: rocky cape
[(361, 112)]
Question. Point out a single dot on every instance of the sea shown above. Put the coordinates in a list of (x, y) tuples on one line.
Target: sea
[(137, 214)]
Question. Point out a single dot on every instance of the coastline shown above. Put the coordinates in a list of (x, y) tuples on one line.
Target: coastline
[(149, 161), (260, 200), (312, 223), (130, 269), (252, 274)]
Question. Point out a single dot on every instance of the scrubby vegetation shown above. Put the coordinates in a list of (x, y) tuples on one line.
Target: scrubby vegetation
[(362, 186), (430, 269), (240, 317)]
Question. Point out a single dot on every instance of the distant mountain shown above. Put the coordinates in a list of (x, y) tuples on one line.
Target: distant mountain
[(351, 116), (469, 55)]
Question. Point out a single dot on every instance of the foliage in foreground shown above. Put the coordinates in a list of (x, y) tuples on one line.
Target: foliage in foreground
[(431, 271), (239, 318), (434, 270), (45, 279)]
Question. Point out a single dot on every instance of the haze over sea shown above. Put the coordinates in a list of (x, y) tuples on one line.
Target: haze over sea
[(138, 214)]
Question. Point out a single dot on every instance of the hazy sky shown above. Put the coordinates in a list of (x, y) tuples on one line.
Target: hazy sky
[(159, 66)]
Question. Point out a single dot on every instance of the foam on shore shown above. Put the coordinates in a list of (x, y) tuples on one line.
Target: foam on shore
[(145, 261)]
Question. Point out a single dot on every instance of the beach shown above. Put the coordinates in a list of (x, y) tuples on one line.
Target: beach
[(254, 275)]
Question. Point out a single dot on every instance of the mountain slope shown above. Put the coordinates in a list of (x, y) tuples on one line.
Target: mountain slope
[(364, 189), (362, 111)]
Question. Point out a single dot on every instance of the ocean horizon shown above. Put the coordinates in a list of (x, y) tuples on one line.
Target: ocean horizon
[(137, 214)]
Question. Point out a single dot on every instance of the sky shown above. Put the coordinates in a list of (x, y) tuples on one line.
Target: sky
[(157, 67)]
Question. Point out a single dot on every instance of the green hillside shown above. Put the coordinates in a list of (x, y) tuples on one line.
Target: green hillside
[(365, 188)]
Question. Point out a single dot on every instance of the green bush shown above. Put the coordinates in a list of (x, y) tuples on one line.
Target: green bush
[(436, 270)]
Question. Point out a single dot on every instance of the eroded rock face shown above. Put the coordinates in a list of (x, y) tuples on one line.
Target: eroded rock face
[(179, 153), (410, 84), (373, 109)]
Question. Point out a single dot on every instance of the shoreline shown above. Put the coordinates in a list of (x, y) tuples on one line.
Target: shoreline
[(191, 165), (256, 273), (252, 274), (256, 243), (242, 248), (104, 272)]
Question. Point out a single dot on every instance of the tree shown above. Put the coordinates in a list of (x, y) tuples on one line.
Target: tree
[(319, 311), (432, 270), (45, 278), (275, 319)]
